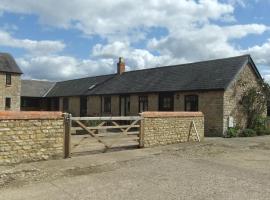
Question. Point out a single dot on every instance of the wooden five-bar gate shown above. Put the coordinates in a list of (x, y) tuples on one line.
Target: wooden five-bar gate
[(108, 131)]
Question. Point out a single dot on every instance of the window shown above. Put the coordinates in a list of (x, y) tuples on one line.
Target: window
[(8, 79), (65, 104), (54, 104), (8, 103), (166, 102), (124, 105), (30, 102), (191, 103), (83, 106), (143, 103), (107, 104)]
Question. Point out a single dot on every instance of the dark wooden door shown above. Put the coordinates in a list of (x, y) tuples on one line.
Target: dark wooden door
[(83, 106)]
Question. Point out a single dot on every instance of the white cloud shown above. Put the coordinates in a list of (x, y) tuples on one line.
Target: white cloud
[(193, 34), (43, 47), (119, 17), (209, 41), (260, 53), (63, 67), (103, 61), (135, 58)]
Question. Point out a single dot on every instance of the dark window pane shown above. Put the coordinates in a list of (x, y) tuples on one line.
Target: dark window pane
[(124, 105), (30, 102), (8, 103), (8, 79), (143, 103), (54, 104), (191, 103), (65, 104), (107, 105), (83, 106), (127, 105), (166, 102)]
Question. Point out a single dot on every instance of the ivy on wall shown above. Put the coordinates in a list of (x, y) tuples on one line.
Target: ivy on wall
[(254, 101)]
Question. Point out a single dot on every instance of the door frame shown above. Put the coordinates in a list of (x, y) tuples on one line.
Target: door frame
[(125, 102)]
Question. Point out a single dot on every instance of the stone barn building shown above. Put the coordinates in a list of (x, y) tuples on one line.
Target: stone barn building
[(213, 87)]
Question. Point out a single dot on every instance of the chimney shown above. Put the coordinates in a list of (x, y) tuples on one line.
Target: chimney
[(121, 66)]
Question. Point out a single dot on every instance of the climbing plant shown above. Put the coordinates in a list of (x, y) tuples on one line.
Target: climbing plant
[(254, 101)]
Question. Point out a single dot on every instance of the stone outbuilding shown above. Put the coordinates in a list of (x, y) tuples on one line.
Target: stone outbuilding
[(213, 87)]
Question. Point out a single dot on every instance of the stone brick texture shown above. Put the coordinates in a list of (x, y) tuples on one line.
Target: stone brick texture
[(232, 96), (12, 91), (163, 128), (94, 106), (210, 104), (30, 136)]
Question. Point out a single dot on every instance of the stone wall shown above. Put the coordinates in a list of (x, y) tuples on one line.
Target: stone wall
[(210, 104), (232, 96), (152, 102), (115, 105), (134, 105), (94, 106), (30, 136), (74, 106), (12, 91), (162, 128)]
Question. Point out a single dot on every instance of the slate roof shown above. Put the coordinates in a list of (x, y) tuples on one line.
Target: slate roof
[(8, 64), (78, 87), (34, 88), (206, 75)]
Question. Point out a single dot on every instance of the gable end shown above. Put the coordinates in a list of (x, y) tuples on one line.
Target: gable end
[(249, 62)]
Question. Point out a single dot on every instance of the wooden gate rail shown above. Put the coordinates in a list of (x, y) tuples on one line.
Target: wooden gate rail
[(125, 118), (125, 130)]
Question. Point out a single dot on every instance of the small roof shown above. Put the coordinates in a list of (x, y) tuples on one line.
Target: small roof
[(36, 88), (8, 64)]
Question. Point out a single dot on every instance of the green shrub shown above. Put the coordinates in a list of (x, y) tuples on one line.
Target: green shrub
[(247, 133), (259, 123), (260, 132), (263, 132), (232, 132), (267, 132)]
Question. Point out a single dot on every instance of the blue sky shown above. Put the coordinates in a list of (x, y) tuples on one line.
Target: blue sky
[(70, 39)]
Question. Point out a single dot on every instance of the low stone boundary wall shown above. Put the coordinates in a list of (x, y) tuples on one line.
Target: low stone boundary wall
[(30, 136), (161, 128)]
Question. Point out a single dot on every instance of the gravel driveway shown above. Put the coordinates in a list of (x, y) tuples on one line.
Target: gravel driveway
[(216, 168)]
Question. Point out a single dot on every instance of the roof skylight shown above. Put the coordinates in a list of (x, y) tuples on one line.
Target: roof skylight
[(92, 86)]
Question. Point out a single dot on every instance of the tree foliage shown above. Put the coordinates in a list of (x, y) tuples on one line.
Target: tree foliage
[(254, 101)]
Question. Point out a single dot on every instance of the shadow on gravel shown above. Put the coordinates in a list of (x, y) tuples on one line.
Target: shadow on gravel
[(113, 149)]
